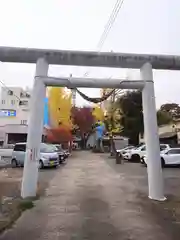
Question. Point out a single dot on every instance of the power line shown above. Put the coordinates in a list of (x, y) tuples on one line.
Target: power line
[(110, 22), (9, 90), (108, 26)]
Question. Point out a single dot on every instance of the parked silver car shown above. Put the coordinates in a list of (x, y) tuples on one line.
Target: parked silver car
[(63, 154), (48, 156)]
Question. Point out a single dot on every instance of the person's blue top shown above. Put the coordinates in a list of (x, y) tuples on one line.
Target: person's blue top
[(100, 131)]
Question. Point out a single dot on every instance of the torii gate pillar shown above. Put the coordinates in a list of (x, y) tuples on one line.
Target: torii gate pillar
[(155, 176), (35, 129)]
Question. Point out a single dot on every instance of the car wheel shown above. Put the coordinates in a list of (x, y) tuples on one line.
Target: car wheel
[(135, 158), (162, 163), (14, 163), (41, 165)]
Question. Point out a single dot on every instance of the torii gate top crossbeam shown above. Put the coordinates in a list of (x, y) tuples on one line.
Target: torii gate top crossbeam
[(82, 58), (92, 82)]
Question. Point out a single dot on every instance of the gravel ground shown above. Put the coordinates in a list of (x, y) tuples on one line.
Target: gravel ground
[(10, 188), (166, 213), (12, 178), (138, 174), (93, 198)]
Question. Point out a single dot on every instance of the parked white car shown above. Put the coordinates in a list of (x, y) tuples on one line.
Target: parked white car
[(136, 154), (168, 157), (126, 149)]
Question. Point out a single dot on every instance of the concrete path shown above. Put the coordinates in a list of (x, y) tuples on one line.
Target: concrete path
[(87, 199)]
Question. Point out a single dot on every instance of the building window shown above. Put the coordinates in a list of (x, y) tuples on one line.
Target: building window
[(23, 103), (13, 102), (24, 95), (3, 101), (10, 92), (23, 122), (20, 147)]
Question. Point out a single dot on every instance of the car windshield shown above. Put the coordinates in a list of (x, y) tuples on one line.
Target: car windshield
[(48, 148), (59, 147), (163, 147), (130, 147), (139, 147)]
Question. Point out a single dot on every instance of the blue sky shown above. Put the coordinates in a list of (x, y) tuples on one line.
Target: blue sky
[(149, 26)]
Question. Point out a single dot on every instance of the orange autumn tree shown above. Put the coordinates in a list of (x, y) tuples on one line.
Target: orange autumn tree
[(60, 135), (83, 121)]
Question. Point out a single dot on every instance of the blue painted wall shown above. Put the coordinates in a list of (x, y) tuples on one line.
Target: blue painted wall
[(46, 112)]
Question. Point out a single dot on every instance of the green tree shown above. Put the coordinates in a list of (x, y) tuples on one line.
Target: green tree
[(163, 117), (131, 120), (173, 109)]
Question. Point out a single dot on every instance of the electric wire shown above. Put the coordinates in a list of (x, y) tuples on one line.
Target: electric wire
[(118, 5), (107, 28), (9, 89), (109, 24)]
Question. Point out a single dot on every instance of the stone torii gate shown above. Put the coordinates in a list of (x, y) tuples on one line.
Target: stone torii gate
[(43, 58)]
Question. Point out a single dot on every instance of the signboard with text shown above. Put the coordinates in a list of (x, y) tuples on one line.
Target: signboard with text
[(7, 113)]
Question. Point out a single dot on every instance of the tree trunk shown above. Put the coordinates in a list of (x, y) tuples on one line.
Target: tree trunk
[(113, 147), (83, 141), (70, 147)]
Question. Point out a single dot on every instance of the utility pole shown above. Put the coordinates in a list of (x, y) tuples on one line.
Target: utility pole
[(112, 145)]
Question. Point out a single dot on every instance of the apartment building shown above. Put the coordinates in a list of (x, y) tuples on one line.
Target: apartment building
[(14, 106), (14, 112)]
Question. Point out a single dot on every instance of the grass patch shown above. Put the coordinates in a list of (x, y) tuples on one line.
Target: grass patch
[(25, 205), (13, 210)]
